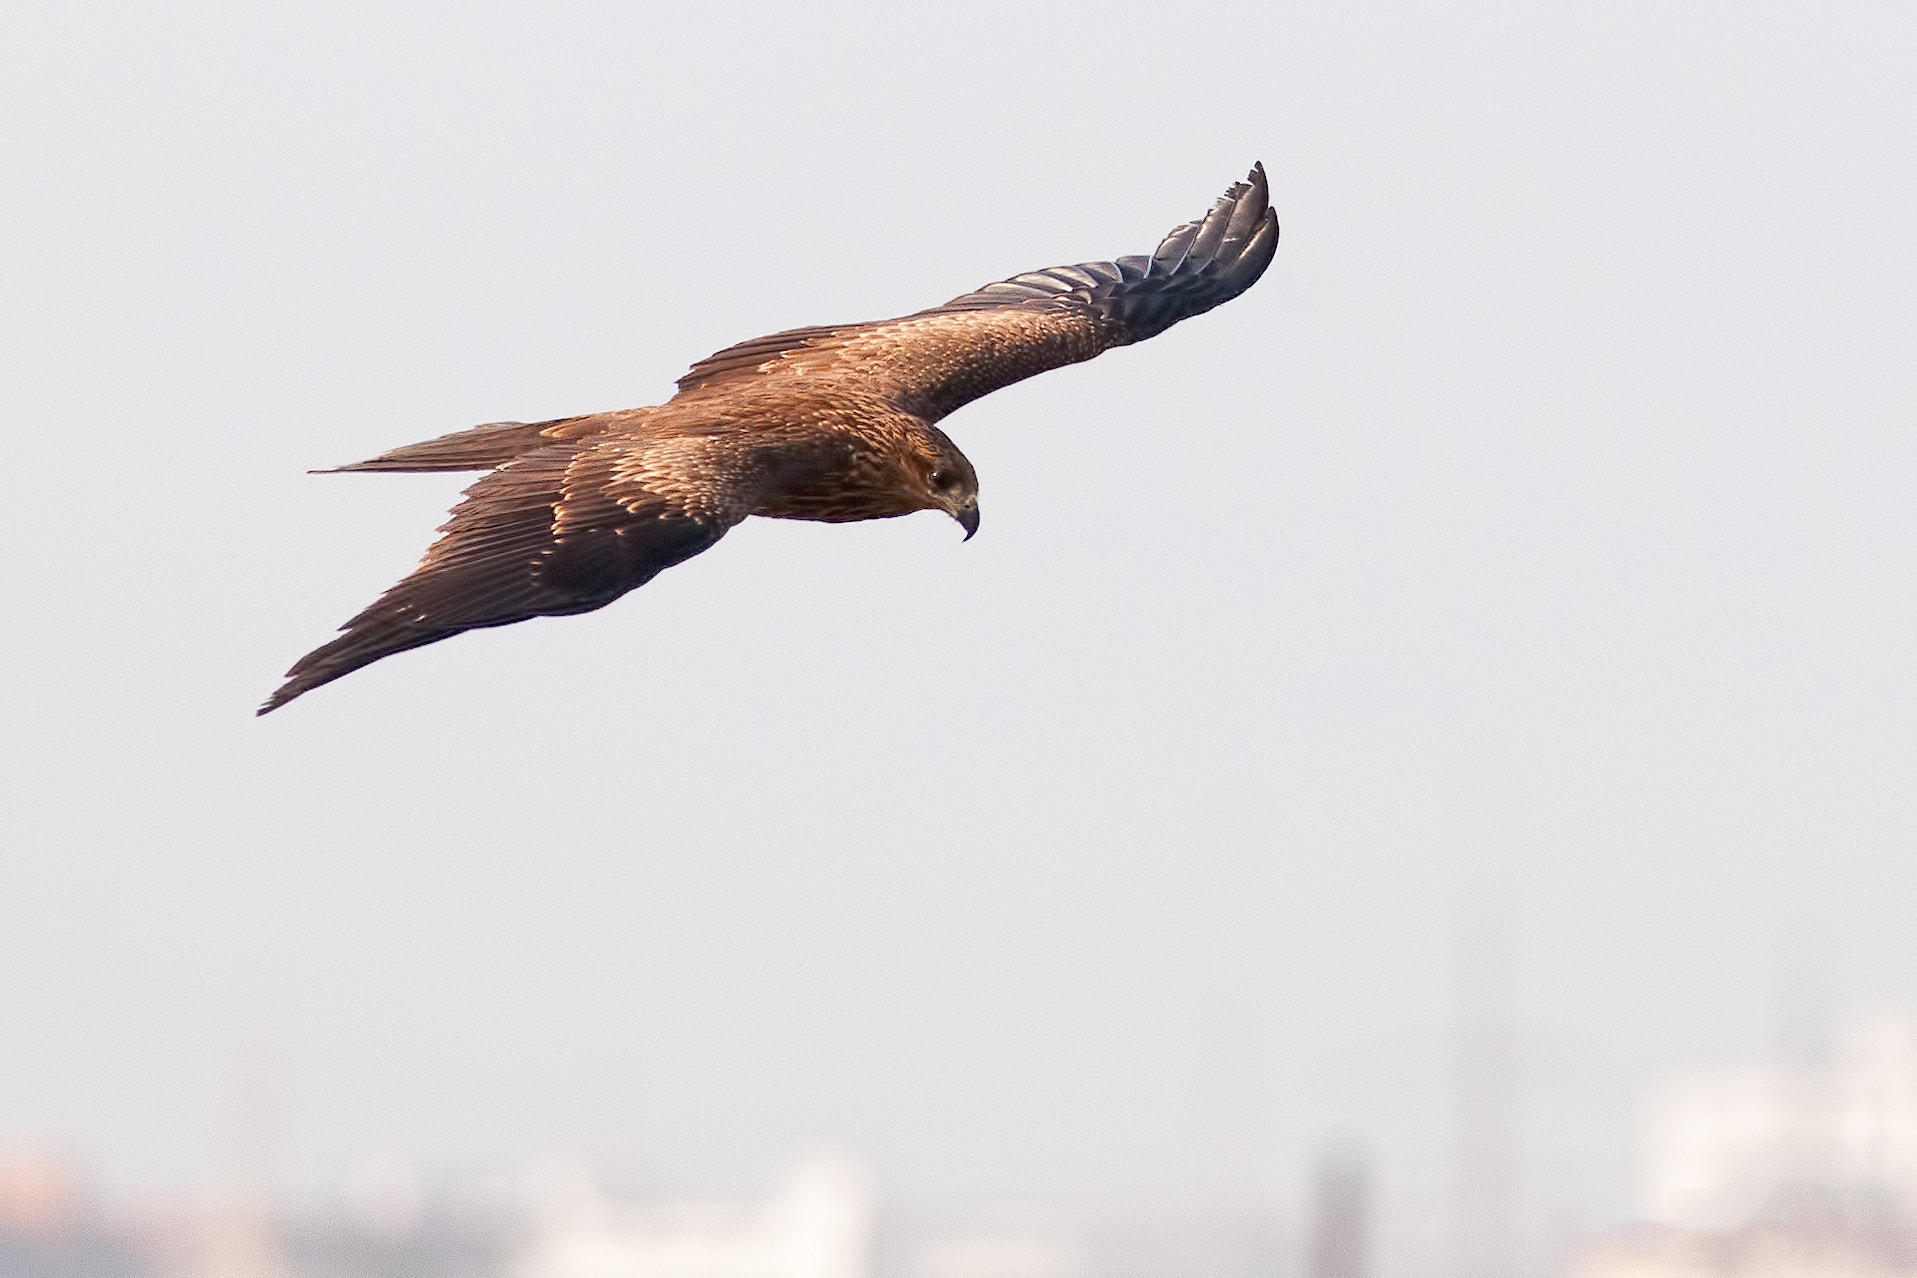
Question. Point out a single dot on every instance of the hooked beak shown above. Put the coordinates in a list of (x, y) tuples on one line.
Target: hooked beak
[(968, 520)]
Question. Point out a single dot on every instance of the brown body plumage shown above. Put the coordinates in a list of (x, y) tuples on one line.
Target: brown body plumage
[(831, 423)]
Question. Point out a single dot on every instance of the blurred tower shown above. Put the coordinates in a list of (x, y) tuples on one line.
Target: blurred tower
[(1485, 1083), (1341, 1214), (243, 1240)]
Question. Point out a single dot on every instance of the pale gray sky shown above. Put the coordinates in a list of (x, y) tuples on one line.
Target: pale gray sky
[(1549, 504)]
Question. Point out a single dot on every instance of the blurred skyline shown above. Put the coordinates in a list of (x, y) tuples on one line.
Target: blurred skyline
[(1546, 508), (1756, 1169)]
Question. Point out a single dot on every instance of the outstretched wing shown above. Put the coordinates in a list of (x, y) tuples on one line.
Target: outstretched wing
[(936, 360), (560, 530)]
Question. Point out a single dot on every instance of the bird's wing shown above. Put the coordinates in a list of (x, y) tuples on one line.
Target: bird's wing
[(564, 529), (936, 360)]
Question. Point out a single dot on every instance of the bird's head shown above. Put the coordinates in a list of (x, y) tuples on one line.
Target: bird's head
[(949, 482)]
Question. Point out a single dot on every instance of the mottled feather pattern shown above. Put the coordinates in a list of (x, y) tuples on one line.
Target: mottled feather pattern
[(828, 423), (748, 358), (933, 364), (698, 474)]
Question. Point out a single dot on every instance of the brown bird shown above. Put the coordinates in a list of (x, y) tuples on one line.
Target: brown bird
[(833, 423)]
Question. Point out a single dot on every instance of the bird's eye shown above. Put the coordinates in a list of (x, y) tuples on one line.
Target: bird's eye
[(941, 479)]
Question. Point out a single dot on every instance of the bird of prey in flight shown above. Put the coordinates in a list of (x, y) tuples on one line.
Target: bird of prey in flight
[(834, 423)]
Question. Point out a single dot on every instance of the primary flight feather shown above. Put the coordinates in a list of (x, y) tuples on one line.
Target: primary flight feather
[(832, 423)]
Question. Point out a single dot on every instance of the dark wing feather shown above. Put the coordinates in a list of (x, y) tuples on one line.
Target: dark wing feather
[(1196, 267), (936, 360), (551, 533)]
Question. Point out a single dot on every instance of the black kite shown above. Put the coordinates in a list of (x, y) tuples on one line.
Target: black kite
[(833, 423)]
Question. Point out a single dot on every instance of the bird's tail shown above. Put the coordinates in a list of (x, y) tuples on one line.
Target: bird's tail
[(480, 448)]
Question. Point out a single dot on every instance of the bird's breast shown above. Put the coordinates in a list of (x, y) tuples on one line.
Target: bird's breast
[(838, 480)]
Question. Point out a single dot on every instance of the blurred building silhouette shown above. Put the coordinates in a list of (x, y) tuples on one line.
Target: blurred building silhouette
[(1484, 1083), (1779, 1170), (1341, 1215), (816, 1224), (819, 1221), (39, 1192), (1215, 1239), (1770, 1249), (1723, 1147), (242, 1239), (48, 1228)]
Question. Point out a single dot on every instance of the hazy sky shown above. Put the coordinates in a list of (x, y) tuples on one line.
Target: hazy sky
[(1548, 505)]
